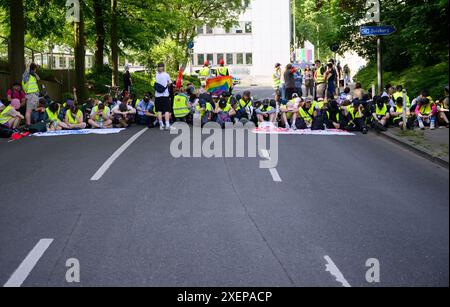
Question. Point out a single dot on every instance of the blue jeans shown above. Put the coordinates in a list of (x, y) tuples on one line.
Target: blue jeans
[(283, 91)]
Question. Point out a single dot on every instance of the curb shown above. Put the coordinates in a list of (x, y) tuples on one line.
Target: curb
[(421, 152)]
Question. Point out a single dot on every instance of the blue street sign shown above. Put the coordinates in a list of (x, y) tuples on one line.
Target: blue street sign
[(190, 45), (377, 30)]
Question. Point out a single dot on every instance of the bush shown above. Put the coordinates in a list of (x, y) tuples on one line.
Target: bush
[(414, 79)]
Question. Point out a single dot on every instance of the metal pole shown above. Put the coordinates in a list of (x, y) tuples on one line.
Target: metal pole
[(379, 57), (404, 110), (374, 93), (318, 43), (293, 26)]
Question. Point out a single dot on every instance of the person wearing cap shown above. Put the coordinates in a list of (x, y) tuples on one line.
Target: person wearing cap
[(205, 71), (146, 111), (74, 118), (222, 70), (354, 119), (224, 112), (306, 114), (162, 97), (289, 112), (10, 116), (266, 113), (380, 113), (426, 112), (16, 92), (204, 110), (276, 77)]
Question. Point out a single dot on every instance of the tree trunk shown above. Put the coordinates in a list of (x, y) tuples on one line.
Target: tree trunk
[(100, 33), (17, 41), (80, 53), (114, 44)]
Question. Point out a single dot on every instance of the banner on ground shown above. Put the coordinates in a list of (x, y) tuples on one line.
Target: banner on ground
[(79, 132), (274, 130)]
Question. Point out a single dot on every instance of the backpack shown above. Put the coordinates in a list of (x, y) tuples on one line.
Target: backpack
[(38, 127), (5, 132)]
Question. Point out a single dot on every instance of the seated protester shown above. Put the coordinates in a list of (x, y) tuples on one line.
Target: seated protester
[(146, 114), (380, 113), (65, 107), (52, 117), (246, 105), (415, 102), (397, 114), (74, 118), (10, 116), (388, 92), (108, 101), (204, 110), (87, 107), (100, 117), (266, 113), (123, 114), (345, 95), (134, 101), (181, 106), (332, 117), (305, 113), (426, 112), (309, 115), (16, 92), (224, 112), (355, 119), (208, 98), (399, 93), (289, 112), (38, 114), (443, 113)]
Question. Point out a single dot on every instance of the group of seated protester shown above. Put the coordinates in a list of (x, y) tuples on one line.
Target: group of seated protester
[(345, 112)]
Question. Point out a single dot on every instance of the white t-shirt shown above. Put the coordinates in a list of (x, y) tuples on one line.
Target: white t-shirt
[(163, 78)]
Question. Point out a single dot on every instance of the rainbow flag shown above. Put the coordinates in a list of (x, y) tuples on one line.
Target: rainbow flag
[(219, 85)]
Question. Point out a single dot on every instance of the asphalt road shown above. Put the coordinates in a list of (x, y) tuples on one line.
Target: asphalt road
[(153, 220)]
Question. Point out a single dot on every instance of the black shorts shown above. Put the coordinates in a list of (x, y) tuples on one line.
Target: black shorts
[(162, 104)]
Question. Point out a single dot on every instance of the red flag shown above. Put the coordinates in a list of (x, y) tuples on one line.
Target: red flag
[(180, 78)]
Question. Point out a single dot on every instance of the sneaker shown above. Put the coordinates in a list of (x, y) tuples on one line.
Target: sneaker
[(161, 127), (432, 126), (421, 126), (287, 126), (365, 131), (294, 127)]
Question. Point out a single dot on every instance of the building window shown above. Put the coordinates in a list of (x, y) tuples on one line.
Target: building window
[(200, 59), (210, 58), (220, 56), (249, 58), (230, 59), (71, 63), (240, 59), (200, 30), (248, 27), (53, 62), (209, 30), (238, 30), (62, 62)]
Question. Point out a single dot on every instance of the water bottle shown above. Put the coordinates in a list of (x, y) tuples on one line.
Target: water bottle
[(101, 122)]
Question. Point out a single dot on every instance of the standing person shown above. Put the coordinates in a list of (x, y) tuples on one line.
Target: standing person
[(289, 80), (309, 81), (347, 72), (127, 81), (16, 92), (30, 86), (162, 96), (205, 71), (331, 77), (276, 76), (319, 79), (282, 83), (298, 76), (222, 70)]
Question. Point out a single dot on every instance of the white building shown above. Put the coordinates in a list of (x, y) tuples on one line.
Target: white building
[(261, 40)]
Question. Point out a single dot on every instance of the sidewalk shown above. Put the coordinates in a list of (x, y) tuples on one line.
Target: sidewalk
[(431, 144)]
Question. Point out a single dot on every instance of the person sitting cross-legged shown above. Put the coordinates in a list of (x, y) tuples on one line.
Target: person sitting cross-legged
[(146, 114), (397, 114), (123, 114), (426, 112), (10, 116), (289, 112), (380, 113), (266, 113), (52, 117), (74, 118), (100, 117)]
